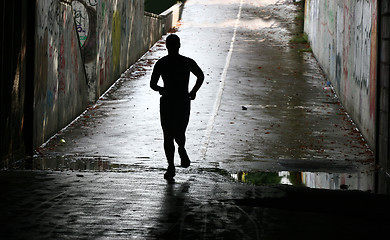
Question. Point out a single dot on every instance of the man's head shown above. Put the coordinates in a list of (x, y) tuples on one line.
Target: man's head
[(173, 43)]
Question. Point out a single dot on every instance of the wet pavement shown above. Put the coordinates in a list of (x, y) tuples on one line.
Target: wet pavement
[(273, 152)]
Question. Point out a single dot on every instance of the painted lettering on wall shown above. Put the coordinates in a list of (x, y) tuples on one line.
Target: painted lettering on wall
[(84, 13)]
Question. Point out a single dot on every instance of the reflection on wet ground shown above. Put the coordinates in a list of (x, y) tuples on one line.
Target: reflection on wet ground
[(362, 178), (81, 163), (363, 181)]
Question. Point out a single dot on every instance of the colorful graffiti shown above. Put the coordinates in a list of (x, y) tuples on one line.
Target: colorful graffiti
[(84, 14), (81, 25), (349, 28), (81, 47)]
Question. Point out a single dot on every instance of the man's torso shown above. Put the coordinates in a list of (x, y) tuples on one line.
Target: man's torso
[(175, 72)]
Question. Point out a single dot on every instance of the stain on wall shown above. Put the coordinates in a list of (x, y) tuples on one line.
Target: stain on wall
[(343, 35), (116, 40)]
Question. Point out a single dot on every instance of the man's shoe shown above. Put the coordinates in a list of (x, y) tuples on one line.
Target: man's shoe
[(170, 173), (185, 160)]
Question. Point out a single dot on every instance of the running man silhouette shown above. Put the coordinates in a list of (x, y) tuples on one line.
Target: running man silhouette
[(175, 99)]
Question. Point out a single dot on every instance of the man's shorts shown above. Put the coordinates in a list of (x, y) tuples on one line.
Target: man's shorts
[(174, 114)]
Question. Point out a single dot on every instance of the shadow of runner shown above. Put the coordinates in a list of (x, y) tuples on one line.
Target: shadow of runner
[(185, 217), (294, 213), (172, 212)]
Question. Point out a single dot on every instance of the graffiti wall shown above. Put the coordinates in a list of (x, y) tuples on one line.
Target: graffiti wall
[(114, 34), (119, 39), (111, 35), (343, 36), (84, 13), (81, 48), (60, 84)]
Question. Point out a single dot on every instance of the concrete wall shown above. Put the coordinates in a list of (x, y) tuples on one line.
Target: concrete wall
[(171, 16), (343, 36), (82, 47), (120, 39), (85, 17), (157, 25), (110, 35)]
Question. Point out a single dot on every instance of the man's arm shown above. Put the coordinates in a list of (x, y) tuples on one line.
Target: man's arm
[(154, 80), (195, 69)]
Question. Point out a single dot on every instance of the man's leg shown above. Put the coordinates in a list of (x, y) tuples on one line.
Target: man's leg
[(169, 148), (180, 140), (180, 136), (168, 130)]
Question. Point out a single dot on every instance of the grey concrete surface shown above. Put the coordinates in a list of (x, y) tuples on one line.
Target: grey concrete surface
[(273, 153)]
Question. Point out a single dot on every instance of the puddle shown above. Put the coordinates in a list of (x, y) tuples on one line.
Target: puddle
[(71, 162), (363, 181)]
